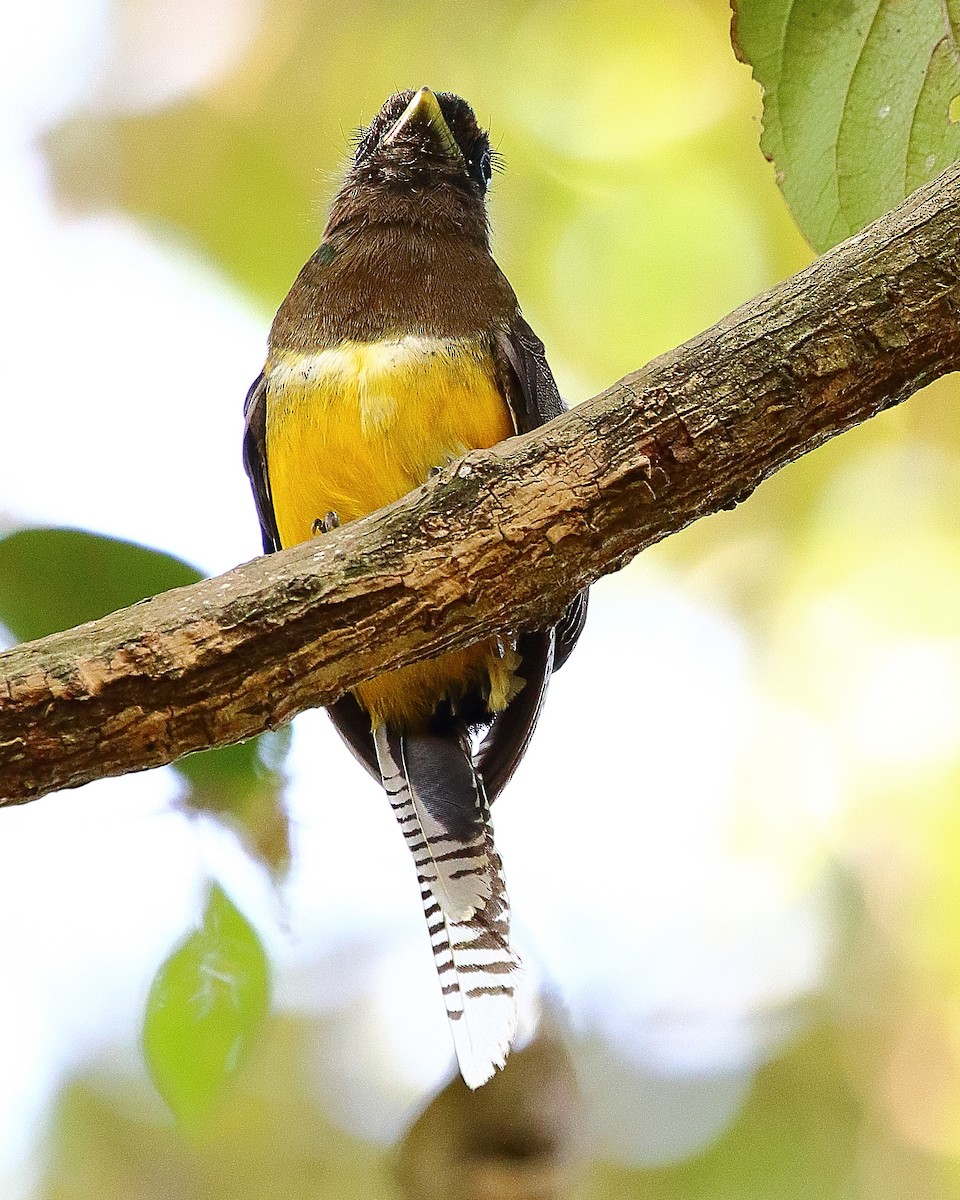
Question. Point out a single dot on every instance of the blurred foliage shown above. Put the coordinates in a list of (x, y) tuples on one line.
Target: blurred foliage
[(242, 785), (205, 1010), (857, 96), (804, 1132), (635, 209), (209, 999), (51, 579), (799, 1135), (267, 1139)]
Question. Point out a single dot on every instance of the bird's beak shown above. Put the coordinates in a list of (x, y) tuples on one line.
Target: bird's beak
[(424, 109)]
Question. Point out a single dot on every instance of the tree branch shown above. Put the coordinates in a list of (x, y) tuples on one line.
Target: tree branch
[(505, 537)]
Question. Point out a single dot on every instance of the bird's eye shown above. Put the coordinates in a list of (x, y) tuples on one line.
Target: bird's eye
[(481, 168), (485, 168)]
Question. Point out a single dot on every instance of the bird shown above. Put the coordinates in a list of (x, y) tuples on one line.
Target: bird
[(399, 349)]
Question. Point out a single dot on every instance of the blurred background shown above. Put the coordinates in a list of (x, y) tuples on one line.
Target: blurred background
[(733, 849)]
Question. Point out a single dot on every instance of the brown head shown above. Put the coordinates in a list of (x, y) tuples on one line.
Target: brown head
[(423, 161), (406, 247)]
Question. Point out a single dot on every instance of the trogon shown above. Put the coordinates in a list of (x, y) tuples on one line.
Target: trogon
[(400, 348)]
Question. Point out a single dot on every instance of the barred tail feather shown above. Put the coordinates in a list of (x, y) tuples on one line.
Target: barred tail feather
[(477, 970), (437, 799), (471, 943)]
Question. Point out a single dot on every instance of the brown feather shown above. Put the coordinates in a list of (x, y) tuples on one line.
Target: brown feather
[(378, 282)]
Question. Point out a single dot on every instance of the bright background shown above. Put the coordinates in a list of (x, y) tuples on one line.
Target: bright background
[(734, 847)]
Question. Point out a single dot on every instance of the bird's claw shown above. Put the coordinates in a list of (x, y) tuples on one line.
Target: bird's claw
[(434, 471), (326, 524)]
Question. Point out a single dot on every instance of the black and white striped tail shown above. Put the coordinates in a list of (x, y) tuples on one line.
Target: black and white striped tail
[(438, 801), (441, 807)]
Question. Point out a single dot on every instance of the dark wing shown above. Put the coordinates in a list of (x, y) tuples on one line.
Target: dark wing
[(506, 743), (527, 381), (353, 725), (525, 376), (255, 461), (569, 628)]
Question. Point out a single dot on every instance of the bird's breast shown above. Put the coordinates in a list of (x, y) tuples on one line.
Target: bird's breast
[(353, 427)]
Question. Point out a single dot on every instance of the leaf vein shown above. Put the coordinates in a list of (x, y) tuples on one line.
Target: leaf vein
[(844, 112)]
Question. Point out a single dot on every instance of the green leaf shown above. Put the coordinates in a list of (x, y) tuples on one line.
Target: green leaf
[(856, 103), (242, 785), (205, 1011), (219, 778), (51, 579)]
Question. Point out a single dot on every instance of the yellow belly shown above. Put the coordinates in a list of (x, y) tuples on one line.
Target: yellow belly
[(354, 428)]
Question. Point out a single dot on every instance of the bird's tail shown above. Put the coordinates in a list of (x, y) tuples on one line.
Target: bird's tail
[(439, 802)]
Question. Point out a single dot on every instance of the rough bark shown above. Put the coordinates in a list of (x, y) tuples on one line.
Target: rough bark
[(506, 536)]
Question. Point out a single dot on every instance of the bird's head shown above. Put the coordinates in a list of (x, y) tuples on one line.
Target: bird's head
[(423, 161)]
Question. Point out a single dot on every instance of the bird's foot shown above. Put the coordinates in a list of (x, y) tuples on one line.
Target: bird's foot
[(325, 524), (434, 471)]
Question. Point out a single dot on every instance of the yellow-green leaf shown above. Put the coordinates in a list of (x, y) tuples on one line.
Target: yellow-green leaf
[(243, 786), (51, 579), (856, 102), (205, 1011)]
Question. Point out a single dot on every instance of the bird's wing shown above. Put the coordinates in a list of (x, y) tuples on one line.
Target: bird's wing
[(528, 384), (525, 376), (506, 742), (353, 725), (255, 460), (569, 628), (526, 380), (438, 799)]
